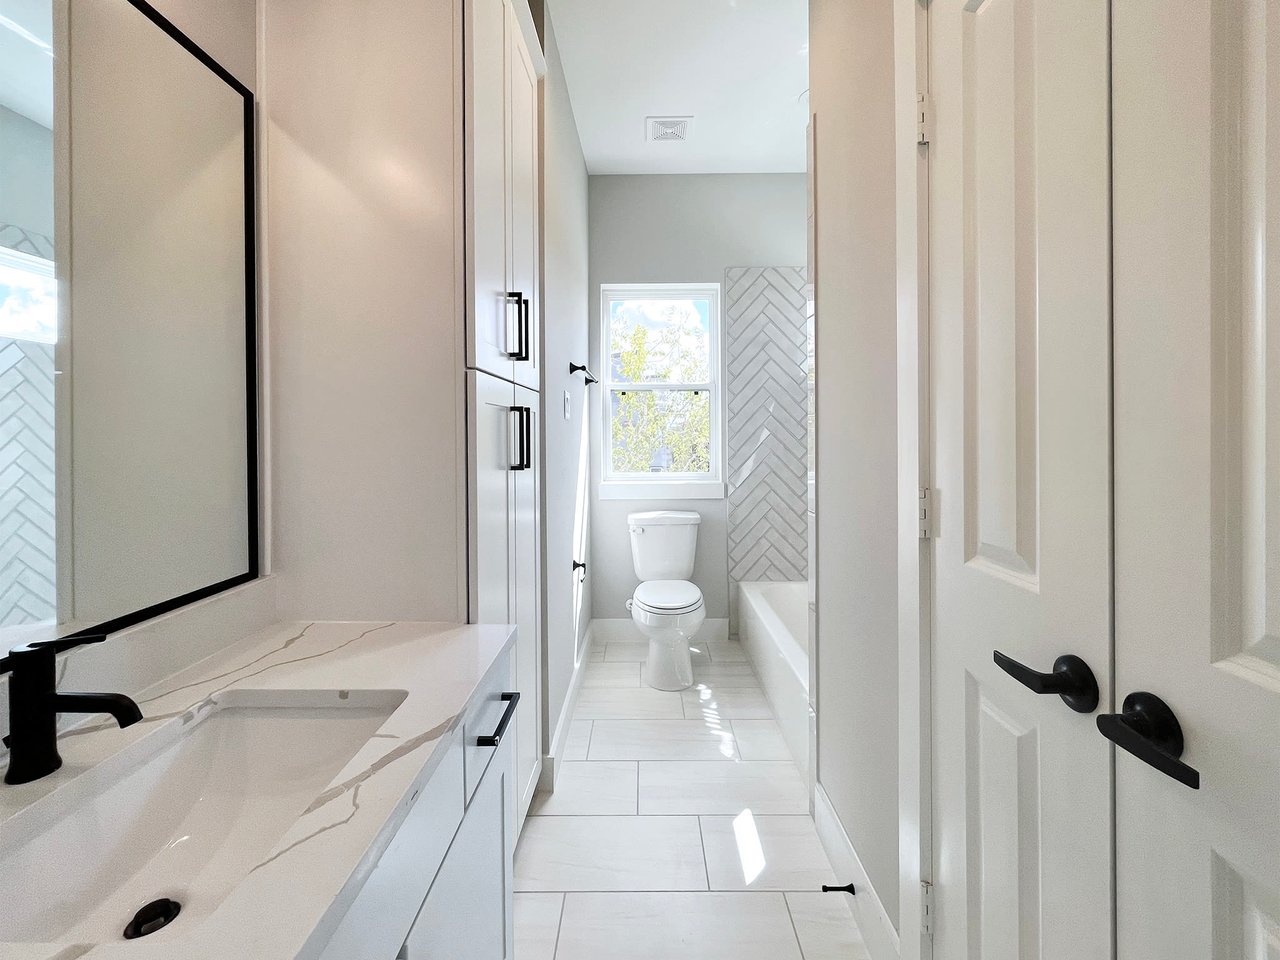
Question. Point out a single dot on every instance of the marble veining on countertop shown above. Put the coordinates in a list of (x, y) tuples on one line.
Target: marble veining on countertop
[(310, 875)]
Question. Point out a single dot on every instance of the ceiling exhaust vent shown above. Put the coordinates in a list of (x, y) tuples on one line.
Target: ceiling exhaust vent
[(667, 129)]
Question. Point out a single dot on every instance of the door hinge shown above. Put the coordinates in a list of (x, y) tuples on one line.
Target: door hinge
[(926, 513), (926, 908), (924, 118)]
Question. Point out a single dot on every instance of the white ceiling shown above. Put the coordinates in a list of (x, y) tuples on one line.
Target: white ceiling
[(740, 68), (26, 59)]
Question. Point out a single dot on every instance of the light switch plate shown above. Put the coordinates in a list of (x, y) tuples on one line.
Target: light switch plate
[(568, 406)]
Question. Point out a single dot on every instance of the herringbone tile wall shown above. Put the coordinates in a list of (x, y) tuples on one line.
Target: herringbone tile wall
[(28, 575), (767, 422)]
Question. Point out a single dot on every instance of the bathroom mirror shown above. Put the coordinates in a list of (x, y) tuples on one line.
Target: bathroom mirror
[(128, 441)]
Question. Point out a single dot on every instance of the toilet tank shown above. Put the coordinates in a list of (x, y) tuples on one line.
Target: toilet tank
[(663, 543)]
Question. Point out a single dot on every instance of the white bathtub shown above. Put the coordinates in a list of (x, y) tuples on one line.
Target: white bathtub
[(774, 628)]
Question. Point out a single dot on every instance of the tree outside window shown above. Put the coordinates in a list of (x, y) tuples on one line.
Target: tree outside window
[(660, 375)]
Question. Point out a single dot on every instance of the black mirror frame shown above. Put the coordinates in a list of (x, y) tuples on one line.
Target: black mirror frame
[(251, 345)]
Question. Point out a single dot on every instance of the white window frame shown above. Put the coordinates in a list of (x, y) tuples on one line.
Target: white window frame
[(661, 486)]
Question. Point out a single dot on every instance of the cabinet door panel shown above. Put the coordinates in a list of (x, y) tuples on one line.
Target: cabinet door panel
[(522, 118), (466, 914), (491, 317), (492, 454), (527, 553)]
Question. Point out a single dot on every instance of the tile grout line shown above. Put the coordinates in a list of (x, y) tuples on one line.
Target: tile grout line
[(564, 898), (794, 931), (706, 867)]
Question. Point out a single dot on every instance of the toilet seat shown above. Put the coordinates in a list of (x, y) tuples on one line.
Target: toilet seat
[(667, 597)]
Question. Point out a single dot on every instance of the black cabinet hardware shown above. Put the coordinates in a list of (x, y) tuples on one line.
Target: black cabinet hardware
[(524, 438), (847, 888), (521, 351), (1071, 679), (525, 338), (582, 369), (578, 565), (512, 699), (1147, 728), (34, 705)]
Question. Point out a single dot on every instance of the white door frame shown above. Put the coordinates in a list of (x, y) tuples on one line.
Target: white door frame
[(915, 552)]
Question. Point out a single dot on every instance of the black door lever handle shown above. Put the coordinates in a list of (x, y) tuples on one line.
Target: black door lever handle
[(1071, 679), (1148, 729)]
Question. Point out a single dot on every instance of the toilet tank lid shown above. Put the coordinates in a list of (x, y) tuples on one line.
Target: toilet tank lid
[(663, 517)]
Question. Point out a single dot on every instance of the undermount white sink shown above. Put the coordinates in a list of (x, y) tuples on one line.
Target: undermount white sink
[(185, 813)]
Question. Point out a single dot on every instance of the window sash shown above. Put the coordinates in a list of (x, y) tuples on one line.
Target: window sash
[(691, 291)]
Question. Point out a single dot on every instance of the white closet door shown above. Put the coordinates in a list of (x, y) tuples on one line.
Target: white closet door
[(1020, 349), (527, 560), (522, 81), (492, 448), (1197, 368), (492, 315)]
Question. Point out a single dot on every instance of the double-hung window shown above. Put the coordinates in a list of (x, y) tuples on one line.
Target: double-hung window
[(661, 372)]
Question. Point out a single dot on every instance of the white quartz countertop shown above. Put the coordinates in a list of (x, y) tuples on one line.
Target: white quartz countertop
[(316, 868)]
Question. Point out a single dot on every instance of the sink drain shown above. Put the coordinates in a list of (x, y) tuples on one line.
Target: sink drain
[(152, 917)]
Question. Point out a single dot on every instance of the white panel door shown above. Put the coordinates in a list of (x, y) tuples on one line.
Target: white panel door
[(1197, 401), (1020, 352), (467, 913), (526, 557), (522, 119), (493, 454), (492, 314)]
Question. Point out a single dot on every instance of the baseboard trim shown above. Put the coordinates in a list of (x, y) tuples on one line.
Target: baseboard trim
[(551, 762), (624, 629), (877, 931)]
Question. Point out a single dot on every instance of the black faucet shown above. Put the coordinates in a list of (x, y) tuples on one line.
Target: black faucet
[(34, 705)]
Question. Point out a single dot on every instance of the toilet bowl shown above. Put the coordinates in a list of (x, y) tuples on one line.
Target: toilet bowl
[(668, 613), (667, 607)]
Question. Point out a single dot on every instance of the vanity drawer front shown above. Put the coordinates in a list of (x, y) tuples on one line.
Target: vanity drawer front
[(377, 922), (484, 717)]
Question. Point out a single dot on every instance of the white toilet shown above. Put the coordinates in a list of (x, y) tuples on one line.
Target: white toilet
[(666, 606)]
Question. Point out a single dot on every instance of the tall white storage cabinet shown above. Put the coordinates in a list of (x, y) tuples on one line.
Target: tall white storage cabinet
[(506, 543), (502, 190), (502, 66)]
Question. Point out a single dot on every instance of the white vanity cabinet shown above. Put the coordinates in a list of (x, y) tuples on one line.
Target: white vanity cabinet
[(442, 889), (467, 913), (502, 65), (506, 543)]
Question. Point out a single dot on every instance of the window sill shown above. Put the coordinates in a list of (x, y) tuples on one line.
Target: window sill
[(662, 490)]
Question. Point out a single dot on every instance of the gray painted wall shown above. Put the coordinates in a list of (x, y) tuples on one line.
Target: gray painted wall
[(857, 501), (26, 174), (567, 604), (680, 229)]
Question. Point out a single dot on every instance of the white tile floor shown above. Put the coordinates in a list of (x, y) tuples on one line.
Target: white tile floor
[(679, 828)]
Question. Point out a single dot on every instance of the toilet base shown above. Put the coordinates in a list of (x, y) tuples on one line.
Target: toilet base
[(670, 664)]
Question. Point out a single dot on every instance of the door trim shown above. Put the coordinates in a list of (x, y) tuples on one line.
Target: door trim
[(915, 442)]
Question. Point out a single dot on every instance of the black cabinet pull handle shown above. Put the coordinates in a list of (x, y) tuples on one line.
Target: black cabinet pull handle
[(578, 565), (516, 297), (495, 738), (526, 414), (1148, 729), (521, 452), (1071, 679), (525, 337)]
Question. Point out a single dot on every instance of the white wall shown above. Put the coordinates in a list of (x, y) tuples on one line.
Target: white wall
[(26, 173), (680, 229), (852, 96), (226, 30), (566, 605), (364, 306)]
